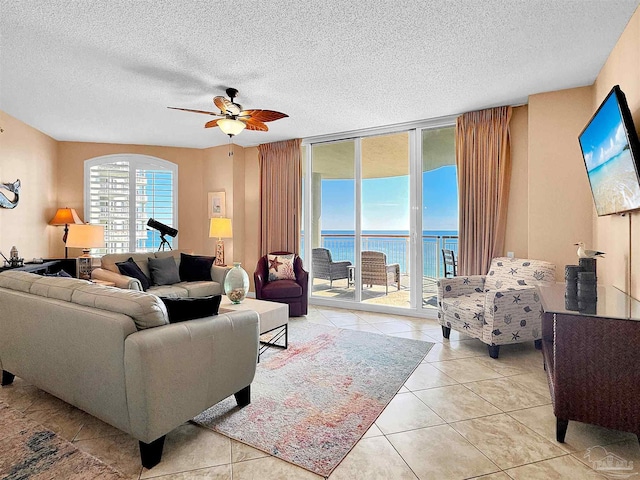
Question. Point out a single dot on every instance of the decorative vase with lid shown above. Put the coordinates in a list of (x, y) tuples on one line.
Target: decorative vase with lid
[(236, 283)]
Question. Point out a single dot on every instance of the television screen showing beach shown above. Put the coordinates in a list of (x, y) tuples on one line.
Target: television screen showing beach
[(609, 161)]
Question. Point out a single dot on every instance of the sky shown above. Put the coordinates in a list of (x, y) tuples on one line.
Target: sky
[(605, 137), (385, 202)]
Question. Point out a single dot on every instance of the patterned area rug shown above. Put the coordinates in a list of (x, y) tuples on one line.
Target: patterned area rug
[(28, 451), (311, 403)]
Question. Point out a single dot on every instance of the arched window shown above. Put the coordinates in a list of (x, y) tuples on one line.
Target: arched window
[(123, 191)]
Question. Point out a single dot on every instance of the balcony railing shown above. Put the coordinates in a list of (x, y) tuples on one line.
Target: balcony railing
[(396, 247)]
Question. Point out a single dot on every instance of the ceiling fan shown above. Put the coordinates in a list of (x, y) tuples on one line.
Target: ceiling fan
[(234, 118)]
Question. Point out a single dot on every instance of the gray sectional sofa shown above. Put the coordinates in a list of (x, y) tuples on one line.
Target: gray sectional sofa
[(109, 271), (113, 353)]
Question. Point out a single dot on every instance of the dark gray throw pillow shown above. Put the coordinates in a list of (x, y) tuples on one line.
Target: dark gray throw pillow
[(164, 271), (131, 269), (189, 308), (194, 268)]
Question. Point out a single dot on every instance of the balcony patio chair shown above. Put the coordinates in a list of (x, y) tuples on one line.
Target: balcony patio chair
[(325, 268), (450, 263), (499, 308), (375, 270)]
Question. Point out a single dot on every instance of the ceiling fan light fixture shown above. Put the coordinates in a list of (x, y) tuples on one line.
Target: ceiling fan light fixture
[(231, 126)]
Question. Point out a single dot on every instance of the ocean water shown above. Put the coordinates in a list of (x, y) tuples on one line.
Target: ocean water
[(615, 185), (395, 243)]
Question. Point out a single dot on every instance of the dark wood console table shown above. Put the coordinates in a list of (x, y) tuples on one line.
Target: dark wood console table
[(47, 266), (592, 360)]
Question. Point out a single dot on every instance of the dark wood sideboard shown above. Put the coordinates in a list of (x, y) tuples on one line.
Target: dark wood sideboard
[(592, 360), (52, 265)]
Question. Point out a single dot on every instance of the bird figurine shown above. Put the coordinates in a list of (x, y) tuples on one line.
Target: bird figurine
[(584, 253)]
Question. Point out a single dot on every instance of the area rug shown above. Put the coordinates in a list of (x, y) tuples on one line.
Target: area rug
[(28, 451), (311, 403)]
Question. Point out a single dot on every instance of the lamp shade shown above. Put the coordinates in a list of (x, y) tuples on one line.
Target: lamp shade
[(86, 236), (220, 227), (65, 216), (230, 126)]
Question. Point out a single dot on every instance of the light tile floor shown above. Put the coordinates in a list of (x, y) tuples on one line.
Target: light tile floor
[(461, 415)]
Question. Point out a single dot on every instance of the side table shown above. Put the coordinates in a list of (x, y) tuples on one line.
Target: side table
[(351, 276), (591, 359)]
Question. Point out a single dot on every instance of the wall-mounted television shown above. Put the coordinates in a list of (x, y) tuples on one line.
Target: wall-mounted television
[(611, 152)]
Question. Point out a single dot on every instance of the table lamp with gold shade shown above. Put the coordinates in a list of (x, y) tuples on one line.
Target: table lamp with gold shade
[(66, 216), (220, 227), (86, 237)]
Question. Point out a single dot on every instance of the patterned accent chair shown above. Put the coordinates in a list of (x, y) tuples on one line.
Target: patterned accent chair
[(292, 292), (375, 270), (499, 308), (325, 268)]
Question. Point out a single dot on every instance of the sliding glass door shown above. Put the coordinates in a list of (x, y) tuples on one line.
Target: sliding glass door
[(333, 220), (379, 209), (385, 256), (439, 207)]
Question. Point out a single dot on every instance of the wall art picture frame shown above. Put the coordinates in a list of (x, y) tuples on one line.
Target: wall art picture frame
[(217, 204)]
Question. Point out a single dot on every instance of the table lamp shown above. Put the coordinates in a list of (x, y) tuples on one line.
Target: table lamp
[(219, 227), (65, 216), (86, 237)]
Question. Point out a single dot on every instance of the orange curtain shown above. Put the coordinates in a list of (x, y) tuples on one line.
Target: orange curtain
[(483, 158), (280, 196)]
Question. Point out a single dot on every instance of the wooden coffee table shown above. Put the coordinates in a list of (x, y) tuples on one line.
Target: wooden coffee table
[(274, 317)]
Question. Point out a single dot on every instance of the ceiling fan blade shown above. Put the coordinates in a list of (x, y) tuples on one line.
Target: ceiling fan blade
[(263, 115), (226, 106), (221, 103), (195, 111), (253, 124), (212, 123)]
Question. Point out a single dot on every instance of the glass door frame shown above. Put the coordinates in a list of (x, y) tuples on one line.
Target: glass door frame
[(414, 130)]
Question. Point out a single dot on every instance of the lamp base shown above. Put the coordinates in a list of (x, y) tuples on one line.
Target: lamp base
[(84, 267), (219, 253)]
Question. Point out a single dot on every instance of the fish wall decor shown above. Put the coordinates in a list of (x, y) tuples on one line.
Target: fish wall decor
[(13, 188)]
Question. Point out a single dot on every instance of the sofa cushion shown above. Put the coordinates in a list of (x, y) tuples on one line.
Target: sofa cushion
[(195, 268), (164, 271), (146, 310), (182, 309), (200, 289), (281, 267), (60, 288), (173, 291), (131, 269), (20, 281), (281, 289), (175, 254), (108, 261)]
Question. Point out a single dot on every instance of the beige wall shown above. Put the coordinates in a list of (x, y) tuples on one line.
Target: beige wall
[(224, 173), (517, 232), (612, 233), (559, 204), (252, 211), (52, 176), (29, 155), (191, 200)]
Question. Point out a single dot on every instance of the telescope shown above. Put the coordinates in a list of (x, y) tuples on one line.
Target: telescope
[(164, 230)]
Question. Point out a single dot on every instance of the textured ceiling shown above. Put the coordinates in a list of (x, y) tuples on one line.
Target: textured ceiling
[(105, 71)]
